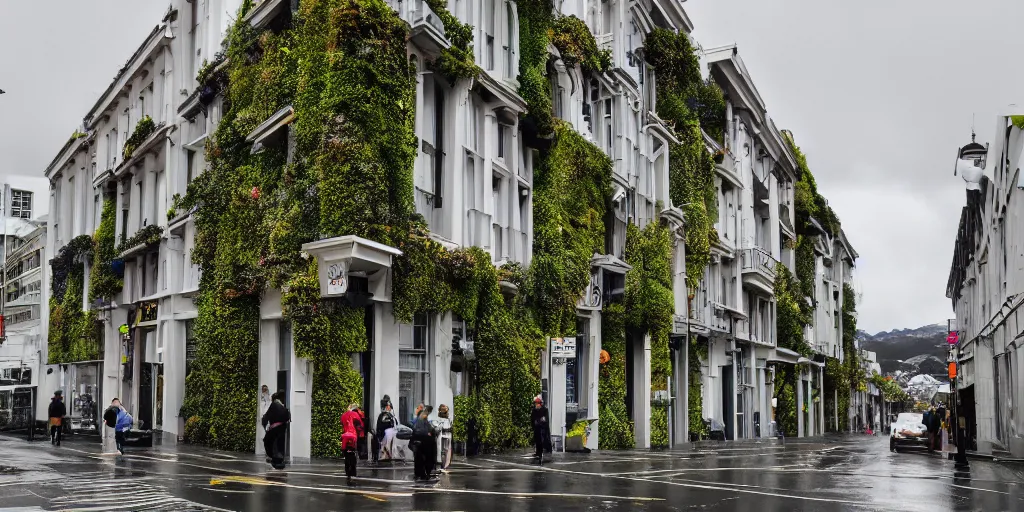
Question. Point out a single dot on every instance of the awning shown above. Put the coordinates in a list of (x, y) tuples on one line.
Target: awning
[(610, 263), (784, 355)]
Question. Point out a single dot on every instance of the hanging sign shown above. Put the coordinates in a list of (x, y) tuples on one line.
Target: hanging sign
[(953, 338), (952, 370), (563, 348), (337, 277)]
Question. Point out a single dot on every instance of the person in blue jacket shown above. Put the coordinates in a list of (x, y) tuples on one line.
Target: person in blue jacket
[(121, 425)]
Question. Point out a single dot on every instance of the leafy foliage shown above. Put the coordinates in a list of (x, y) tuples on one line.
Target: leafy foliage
[(790, 317), (808, 202), (572, 186), (143, 129), (649, 306), (72, 334), (615, 427), (687, 103), (148, 235), (455, 62), (535, 21), (577, 45), (698, 351), (343, 67), (103, 282)]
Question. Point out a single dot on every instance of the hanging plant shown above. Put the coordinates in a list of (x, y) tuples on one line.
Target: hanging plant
[(143, 129)]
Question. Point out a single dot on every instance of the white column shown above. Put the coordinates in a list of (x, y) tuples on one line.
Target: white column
[(642, 391), (556, 396), (799, 402), (809, 425), (736, 356), (594, 369), (821, 393), (385, 357)]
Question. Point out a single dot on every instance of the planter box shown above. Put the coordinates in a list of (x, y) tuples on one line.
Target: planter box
[(575, 444)]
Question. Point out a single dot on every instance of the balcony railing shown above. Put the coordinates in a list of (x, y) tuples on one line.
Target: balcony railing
[(756, 259), (500, 247), (517, 246), (478, 229), (698, 305), (427, 27)]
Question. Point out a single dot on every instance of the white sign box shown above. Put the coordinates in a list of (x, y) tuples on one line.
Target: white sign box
[(563, 348), (337, 277)]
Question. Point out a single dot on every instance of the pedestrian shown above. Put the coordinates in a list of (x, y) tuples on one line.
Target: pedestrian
[(352, 429), (384, 430), (56, 413), (122, 424), (275, 422), (423, 440), (361, 445), (541, 428), (932, 423)]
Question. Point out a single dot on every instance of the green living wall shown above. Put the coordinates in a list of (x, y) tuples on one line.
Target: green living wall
[(342, 65), (691, 106), (649, 307), (72, 334)]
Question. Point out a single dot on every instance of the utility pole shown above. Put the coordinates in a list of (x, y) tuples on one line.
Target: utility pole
[(960, 424)]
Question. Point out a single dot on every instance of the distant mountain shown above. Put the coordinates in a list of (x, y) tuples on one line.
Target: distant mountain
[(921, 350)]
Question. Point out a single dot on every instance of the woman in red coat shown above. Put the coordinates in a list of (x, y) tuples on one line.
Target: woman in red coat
[(352, 430)]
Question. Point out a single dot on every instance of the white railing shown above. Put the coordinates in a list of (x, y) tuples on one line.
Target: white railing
[(698, 306), (719, 317), (417, 12), (517, 245), (499, 242), (756, 259), (478, 229)]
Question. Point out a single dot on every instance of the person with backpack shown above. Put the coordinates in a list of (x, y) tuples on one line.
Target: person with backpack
[(352, 430), (275, 423), (386, 422), (56, 412), (117, 417)]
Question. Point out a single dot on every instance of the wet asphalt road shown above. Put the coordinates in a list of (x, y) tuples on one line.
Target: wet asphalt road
[(835, 473)]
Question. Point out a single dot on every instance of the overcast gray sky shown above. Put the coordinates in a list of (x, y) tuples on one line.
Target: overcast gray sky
[(56, 58), (879, 94)]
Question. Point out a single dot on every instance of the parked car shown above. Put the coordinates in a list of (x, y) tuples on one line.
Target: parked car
[(908, 431)]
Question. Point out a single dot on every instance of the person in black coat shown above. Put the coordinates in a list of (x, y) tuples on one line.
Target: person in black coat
[(385, 421), (424, 445), (541, 421), (56, 412), (275, 421)]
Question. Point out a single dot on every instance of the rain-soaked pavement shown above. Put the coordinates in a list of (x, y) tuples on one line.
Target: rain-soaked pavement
[(835, 473)]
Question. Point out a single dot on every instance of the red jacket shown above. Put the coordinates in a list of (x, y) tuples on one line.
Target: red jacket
[(352, 424)]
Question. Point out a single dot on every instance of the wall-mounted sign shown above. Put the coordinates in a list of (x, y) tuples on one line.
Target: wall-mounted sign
[(564, 348), (337, 277), (953, 338)]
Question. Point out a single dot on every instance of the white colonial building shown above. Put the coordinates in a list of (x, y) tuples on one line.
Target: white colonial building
[(986, 287)]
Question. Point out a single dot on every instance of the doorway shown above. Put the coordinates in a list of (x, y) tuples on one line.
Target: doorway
[(284, 364), (727, 401)]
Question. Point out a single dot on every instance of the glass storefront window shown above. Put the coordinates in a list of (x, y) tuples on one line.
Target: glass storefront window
[(413, 369), (83, 394)]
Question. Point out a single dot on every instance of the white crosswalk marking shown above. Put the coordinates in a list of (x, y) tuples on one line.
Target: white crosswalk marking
[(92, 492)]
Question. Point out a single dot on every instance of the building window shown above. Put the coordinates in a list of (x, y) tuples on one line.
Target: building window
[(21, 204), (510, 70), (503, 137), (413, 367), (489, 27)]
